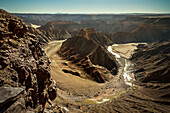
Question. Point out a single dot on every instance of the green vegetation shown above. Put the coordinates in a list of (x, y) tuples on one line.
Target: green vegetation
[(117, 95), (87, 101)]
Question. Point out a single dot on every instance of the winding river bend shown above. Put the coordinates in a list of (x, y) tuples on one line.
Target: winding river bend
[(126, 74), (119, 85)]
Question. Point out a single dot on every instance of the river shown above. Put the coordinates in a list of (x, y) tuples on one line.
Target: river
[(126, 76), (126, 72)]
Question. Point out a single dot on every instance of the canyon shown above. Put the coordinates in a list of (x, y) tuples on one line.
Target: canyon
[(84, 63)]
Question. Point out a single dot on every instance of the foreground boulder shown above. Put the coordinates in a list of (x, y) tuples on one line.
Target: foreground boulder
[(88, 50), (23, 63), (9, 93)]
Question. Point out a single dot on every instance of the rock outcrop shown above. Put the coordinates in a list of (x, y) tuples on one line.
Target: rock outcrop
[(9, 93), (87, 50), (23, 63)]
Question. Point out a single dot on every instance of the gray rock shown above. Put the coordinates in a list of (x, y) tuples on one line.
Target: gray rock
[(9, 93)]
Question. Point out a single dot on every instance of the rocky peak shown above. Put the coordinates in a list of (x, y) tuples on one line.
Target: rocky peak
[(88, 50), (85, 32)]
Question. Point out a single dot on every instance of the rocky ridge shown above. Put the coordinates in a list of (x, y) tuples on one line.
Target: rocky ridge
[(24, 64), (88, 51)]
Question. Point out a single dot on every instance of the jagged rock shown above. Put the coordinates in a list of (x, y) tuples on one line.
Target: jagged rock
[(52, 93), (24, 63)]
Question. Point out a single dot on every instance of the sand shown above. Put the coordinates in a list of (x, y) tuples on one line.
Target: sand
[(125, 50)]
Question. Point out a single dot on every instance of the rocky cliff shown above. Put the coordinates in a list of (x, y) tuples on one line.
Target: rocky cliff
[(88, 48), (24, 68)]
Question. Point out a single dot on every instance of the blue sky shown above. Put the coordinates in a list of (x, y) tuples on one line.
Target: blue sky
[(86, 6)]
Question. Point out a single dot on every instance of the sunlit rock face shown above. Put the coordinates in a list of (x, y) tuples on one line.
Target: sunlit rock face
[(23, 63)]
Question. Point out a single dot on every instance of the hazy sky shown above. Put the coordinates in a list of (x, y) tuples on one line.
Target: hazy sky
[(86, 6)]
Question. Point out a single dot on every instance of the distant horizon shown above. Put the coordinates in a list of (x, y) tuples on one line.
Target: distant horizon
[(95, 13), (89, 13), (87, 6)]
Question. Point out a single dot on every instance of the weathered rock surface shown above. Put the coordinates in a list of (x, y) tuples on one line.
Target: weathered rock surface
[(23, 63), (152, 63), (9, 93), (89, 48)]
